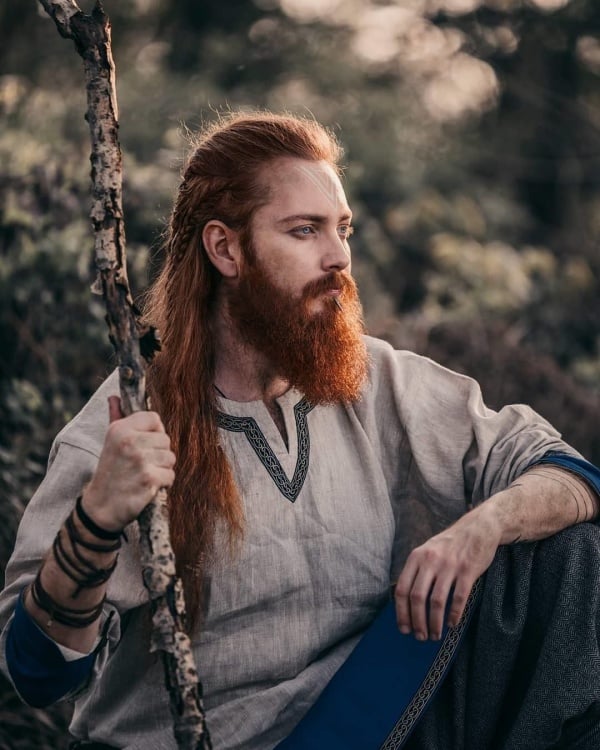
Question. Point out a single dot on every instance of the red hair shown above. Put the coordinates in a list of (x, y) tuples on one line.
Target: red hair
[(221, 180)]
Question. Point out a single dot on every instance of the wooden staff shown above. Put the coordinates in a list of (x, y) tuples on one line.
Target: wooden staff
[(91, 35)]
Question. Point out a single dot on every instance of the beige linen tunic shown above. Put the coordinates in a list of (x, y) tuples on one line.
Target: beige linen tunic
[(329, 521)]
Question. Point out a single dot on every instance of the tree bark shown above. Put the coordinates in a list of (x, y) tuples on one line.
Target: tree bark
[(91, 35)]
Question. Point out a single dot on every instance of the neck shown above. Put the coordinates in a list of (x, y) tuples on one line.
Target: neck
[(242, 373)]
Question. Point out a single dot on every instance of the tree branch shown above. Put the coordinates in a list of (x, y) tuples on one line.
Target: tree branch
[(91, 35)]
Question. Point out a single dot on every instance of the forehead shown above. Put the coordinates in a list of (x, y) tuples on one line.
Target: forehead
[(298, 186)]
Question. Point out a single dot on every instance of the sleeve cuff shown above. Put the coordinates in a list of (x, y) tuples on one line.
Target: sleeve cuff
[(40, 670), (583, 469)]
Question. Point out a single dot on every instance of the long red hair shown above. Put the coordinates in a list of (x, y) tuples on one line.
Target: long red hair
[(221, 180)]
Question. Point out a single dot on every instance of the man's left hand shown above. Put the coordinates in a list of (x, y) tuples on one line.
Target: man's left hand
[(445, 568)]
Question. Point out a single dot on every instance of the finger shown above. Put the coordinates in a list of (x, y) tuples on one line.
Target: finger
[(162, 477), (164, 458), (146, 421), (459, 600), (114, 408), (438, 600), (419, 596), (148, 441), (168, 478), (401, 597)]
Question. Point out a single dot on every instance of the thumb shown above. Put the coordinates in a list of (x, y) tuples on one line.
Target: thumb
[(114, 408)]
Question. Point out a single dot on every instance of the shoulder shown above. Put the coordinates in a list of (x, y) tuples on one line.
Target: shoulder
[(408, 371), (87, 429), (381, 352)]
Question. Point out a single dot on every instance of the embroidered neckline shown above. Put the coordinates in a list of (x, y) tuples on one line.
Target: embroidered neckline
[(289, 488)]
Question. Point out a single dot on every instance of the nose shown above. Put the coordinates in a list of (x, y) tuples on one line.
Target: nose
[(336, 256)]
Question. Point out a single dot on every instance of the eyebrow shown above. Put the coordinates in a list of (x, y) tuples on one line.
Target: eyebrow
[(314, 218)]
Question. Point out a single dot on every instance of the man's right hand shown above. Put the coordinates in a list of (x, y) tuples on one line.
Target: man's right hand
[(135, 462)]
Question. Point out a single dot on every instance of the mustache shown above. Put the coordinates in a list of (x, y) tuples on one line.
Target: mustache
[(332, 280)]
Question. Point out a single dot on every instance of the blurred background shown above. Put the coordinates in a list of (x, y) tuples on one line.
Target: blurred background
[(471, 131)]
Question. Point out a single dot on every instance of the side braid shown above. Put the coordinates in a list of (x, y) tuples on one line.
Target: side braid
[(185, 222)]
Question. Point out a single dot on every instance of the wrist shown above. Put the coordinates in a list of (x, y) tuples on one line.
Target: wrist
[(95, 517), (502, 512)]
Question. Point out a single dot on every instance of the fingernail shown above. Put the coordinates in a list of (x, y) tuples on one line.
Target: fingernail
[(404, 629), (420, 636), (436, 636)]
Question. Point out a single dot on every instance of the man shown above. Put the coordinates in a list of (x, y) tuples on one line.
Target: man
[(305, 461)]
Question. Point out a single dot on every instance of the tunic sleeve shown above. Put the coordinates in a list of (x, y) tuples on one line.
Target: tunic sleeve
[(72, 461), (442, 449)]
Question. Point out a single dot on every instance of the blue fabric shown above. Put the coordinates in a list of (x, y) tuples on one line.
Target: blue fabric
[(38, 669), (578, 466), (370, 692)]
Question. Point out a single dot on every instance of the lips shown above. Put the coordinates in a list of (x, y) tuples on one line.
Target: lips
[(331, 285)]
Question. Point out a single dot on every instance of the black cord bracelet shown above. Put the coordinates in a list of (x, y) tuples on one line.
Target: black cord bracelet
[(92, 526), (84, 561), (76, 538), (73, 618), (86, 577)]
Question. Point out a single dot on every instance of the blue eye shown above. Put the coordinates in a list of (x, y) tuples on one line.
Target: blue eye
[(304, 231), (346, 231)]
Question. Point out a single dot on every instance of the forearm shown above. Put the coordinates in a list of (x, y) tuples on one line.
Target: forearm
[(66, 597), (541, 502), (71, 585)]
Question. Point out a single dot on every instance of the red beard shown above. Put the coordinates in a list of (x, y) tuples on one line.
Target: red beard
[(321, 354)]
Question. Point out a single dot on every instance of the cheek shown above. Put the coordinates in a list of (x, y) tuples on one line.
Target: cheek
[(280, 276), (290, 275)]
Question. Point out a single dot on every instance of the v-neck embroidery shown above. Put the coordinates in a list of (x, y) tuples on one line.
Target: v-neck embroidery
[(289, 488)]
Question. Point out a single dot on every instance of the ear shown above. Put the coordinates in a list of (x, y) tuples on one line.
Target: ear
[(222, 246)]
